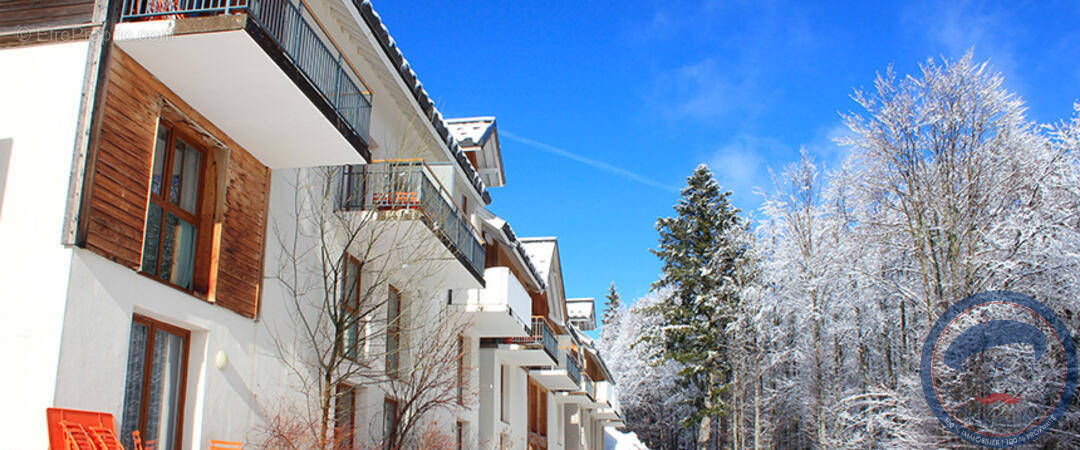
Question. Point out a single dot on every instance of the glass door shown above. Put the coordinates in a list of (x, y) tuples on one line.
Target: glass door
[(154, 388)]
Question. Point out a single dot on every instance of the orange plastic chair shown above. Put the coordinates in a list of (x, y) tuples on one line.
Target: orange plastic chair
[(106, 439), (225, 445), (136, 440), (71, 429)]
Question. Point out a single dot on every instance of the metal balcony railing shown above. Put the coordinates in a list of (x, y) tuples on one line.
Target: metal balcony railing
[(299, 35), (411, 185), (590, 387), (573, 370), (541, 334)]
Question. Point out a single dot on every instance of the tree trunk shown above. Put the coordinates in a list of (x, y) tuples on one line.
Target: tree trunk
[(757, 413), (706, 422), (324, 419), (735, 413)]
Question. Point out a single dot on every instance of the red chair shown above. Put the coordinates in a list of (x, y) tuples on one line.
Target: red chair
[(71, 429)]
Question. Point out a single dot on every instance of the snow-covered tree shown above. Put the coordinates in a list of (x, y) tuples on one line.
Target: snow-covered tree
[(699, 262), (811, 325), (609, 322), (651, 394)]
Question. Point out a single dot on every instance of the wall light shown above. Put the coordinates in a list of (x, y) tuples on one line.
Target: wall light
[(221, 360)]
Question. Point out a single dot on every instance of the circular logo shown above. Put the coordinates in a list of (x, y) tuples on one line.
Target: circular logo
[(999, 369)]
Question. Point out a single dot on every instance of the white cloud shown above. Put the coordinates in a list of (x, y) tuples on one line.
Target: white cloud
[(962, 25), (704, 91), (743, 164), (741, 167)]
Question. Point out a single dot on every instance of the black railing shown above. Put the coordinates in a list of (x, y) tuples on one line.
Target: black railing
[(542, 332), (410, 185), (590, 387), (572, 369), (289, 25)]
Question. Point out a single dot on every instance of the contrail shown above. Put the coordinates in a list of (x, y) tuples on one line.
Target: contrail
[(588, 161)]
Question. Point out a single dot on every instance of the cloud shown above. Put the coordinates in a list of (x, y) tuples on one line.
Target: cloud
[(751, 45), (962, 25), (705, 91), (743, 165), (603, 166)]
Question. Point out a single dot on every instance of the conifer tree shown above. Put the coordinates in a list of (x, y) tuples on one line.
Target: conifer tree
[(612, 304), (699, 260)]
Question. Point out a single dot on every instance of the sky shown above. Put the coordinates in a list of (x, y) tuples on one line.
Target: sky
[(604, 109)]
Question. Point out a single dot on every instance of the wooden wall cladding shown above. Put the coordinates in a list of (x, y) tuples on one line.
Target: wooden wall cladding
[(236, 227), (18, 15)]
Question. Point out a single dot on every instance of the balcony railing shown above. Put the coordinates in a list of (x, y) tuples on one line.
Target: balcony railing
[(590, 387), (410, 185), (572, 369), (299, 35), (542, 335)]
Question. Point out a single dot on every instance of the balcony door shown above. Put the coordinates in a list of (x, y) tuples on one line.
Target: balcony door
[(154, 387)]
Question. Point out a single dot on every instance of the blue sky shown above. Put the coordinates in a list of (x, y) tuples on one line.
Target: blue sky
[(605, 108)]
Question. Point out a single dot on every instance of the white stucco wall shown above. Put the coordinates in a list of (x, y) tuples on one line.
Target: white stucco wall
[(39, 102), (103, 297), (491, 425)]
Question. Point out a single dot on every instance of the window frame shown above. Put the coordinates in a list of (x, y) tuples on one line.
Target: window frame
[(504, 396), (460, 431), (153, 325), (339, 391), (393, 332), (353, 310), (461, 369), (176, 131), (392, 404)]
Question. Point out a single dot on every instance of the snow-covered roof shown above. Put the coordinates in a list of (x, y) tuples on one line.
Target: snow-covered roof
[(582, 311), (504, 233), (541, 251), (471, 131), (479, 136)]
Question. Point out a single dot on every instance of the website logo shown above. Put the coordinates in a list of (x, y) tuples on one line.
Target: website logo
[(999, 369)]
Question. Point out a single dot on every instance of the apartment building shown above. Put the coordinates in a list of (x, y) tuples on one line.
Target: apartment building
[(167, 168)]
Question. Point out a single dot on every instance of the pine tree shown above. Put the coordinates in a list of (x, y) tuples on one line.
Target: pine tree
[(612, 305), (609, 322), (699, 260)]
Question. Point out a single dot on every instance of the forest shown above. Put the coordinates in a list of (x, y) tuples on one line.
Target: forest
[(803, 326)]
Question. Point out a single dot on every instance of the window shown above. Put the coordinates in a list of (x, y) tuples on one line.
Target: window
[(504, 394), (154, 387), (393, 331), (390, 416), (537, 408), (344, 416), (461, 370), (172, 216), (354, 328)]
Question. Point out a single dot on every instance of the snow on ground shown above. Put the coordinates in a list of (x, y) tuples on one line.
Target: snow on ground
[(616, 440)]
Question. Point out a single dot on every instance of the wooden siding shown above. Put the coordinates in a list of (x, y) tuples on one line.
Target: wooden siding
[(18, 15), (232, 232)]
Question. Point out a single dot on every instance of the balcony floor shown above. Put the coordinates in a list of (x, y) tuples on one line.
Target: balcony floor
[(554, 379), (412, 246), (217, 66), (525, 356), (496, 321)]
